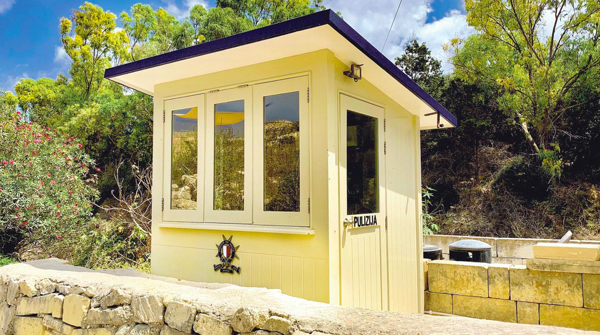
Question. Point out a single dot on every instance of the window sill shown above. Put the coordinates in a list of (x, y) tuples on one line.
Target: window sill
[(240, 227)]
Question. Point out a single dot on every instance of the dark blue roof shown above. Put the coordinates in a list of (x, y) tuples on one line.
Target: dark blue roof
[(305, 22)]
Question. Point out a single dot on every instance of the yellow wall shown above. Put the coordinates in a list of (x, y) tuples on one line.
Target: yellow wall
[(403, 281), (296, 264), (305, 266)]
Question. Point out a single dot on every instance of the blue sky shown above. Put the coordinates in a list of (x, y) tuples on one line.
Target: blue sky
[(30, 40)]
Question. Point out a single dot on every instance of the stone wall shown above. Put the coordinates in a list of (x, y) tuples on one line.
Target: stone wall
[(51, 298), (504, 250), (545, 292)]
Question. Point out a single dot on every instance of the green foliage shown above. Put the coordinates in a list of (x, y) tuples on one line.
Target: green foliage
[(8, 104), (420, 66), (93, 46), (112, 244), (6, 260), (429, 225), (46, 187), (537, 72)]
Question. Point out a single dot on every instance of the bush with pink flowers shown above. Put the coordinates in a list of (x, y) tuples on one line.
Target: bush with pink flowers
[(46, 188)]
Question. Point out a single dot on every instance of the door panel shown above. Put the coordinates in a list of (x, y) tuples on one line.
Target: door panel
[(362, 205)]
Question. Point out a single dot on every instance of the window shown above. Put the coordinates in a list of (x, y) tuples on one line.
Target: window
[(183, 173), (229, 157), (362, 160), (254, 164), (282, 155)]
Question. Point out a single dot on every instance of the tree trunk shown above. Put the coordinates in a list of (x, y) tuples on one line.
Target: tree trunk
[(528, 137)]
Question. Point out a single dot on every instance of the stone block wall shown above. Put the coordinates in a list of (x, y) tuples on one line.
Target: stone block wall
[(551, 295), (504, 250), (51, 298)]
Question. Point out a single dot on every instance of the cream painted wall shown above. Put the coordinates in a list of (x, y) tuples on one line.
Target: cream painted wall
[(306, 266), (296, 264), (402, 252)]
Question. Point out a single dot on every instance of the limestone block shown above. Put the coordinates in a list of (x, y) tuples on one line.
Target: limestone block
[(499, 286), (166, 330), (247, 319), (563, 316), (148, 309), (144, 330), (528, 312), (3, 291), (591, 291), (24, 325), (485, 308), (462, 278), (438, 302), (124, 330), (426, 274), (581, 252), (559, 265), (57, 325), (94, 331), (75, 308), (206, 324), (36, 305), (13, 292), (68, 289), (180, 316), (46, 286), (57, 306), (116, 297), (6, 315), (278, 324), (112, 317), (27, 288), (546, 287)]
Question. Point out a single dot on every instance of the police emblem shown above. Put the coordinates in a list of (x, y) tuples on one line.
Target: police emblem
[(226, 252)]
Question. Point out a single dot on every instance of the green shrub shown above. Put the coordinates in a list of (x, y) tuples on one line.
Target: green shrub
[(6, 260), (524, 178), (46, 189)]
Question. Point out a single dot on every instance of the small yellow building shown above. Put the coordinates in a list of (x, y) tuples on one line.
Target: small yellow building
[(288, 157)]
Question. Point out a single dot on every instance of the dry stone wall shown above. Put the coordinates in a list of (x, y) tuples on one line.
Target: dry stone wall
[(51, 298)]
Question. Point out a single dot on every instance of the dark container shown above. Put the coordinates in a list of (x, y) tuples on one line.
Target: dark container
[(432, 252), (470, 251)]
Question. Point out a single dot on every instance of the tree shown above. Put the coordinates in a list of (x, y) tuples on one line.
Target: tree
[(8, 104), (94, 45), (264, 12), (420, 66), (138, 27), (538, 52)]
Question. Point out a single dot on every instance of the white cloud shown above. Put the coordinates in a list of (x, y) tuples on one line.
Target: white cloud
[(60, 56), (9, 82), (182, 12), (6, 5), (372, 20)]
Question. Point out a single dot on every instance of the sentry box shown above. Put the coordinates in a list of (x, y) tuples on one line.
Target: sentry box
[(288, 157)]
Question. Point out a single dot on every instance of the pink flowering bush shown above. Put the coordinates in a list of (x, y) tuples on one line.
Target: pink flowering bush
[(46, 187)]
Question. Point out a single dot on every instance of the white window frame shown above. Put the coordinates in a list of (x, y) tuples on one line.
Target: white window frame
[(260, 216), (226, 216), (170, 106)]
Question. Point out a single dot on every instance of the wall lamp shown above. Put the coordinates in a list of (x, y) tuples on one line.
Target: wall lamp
[(355, 72)]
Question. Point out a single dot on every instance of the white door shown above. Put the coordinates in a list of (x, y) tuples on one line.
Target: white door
[(362, 205)]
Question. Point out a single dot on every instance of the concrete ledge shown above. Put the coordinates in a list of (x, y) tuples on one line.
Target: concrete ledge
[(557, 265), (218, 309)]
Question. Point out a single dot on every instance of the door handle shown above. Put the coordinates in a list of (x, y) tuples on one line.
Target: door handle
[(347, 223)]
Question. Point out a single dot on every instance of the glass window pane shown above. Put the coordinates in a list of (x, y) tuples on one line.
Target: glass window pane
[(229, 156), (184, 159), (282, 153), (363, 176)]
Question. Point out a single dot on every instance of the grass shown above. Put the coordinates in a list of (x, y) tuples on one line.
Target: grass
[(6, 260)]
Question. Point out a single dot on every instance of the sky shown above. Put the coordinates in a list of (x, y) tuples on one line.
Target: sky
[(30, 38)]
